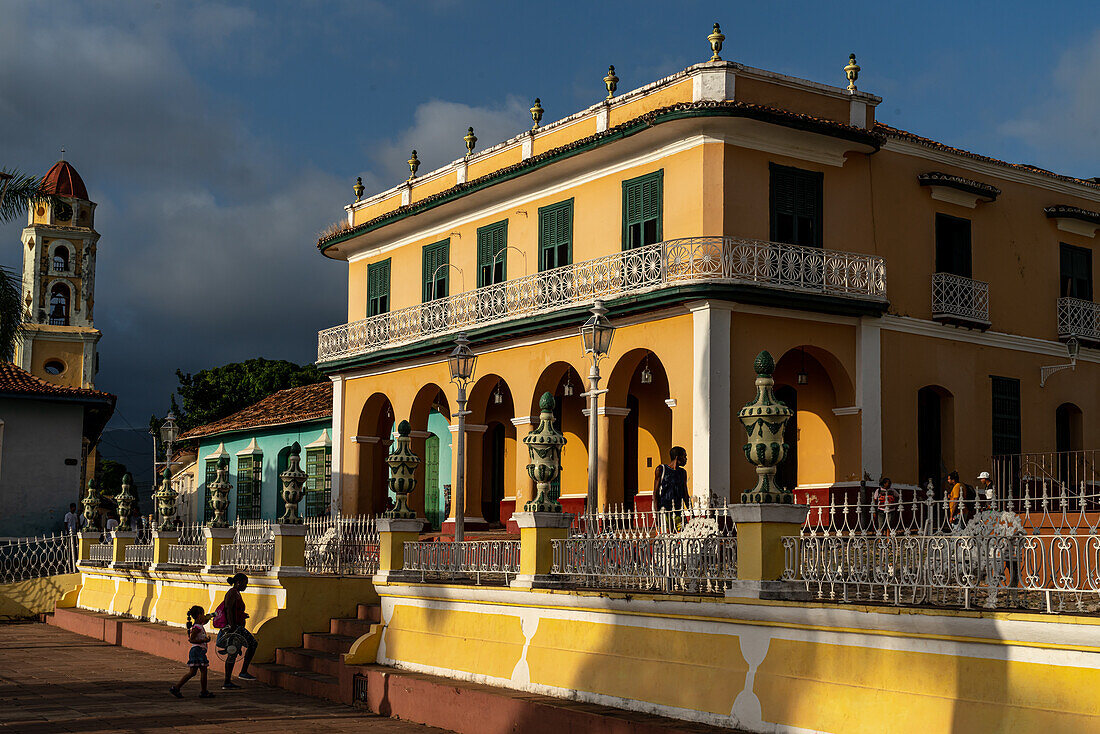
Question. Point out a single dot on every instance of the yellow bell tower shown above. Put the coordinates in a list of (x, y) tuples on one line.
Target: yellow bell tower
[(59, 249)]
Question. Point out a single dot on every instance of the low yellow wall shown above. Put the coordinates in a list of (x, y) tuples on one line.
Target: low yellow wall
[(28, 598), (280, 608), (758, 666)]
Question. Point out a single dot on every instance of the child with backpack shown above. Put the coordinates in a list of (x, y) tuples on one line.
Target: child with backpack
[(197, 662)]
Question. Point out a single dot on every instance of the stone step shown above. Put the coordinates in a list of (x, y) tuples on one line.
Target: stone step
[(371, 612), (314, 661), (328, 642), (305, 682), (351, 627)]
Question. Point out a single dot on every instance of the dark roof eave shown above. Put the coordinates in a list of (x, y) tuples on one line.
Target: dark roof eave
[(246, 429)]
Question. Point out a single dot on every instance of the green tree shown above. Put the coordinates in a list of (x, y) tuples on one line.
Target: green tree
[(109, 476), (212, 394)]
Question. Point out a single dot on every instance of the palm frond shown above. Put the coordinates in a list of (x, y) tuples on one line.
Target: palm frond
[(11, 312), (21, 191)]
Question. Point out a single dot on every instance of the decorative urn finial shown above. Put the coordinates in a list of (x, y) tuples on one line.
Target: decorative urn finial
[(764, 420), (125, 501), (544, 446), (403, 463), (293, 480), (414, 163), (166, 501), (358, 188), (470, 139), (611, 81), (852, 72), (219, 491), (91, 503), (716, 39), (536, 112)]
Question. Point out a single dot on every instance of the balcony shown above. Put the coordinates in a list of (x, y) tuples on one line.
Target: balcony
[(961, 301), (1079, 318), (672, 264)]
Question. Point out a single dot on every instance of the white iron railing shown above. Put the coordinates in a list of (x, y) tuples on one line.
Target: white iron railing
[(253, 546), (140, 552), (958, 298), (663, 563), (680, 262), (103, 551), (1079, 318), (32, 558), (190, 550), (342, 545), (622, 522), (479, 561)]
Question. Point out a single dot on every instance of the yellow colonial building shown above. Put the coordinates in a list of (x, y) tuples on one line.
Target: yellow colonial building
[(911, 292)]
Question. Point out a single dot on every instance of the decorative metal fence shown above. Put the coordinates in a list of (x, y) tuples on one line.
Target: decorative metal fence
[(662, 264), (956, 297), (479, 561), (32, 558), (663, 563), (190, 550), (103, 551), (1079, 318), (140, 552), (253, 546), (342, 545), (998, 549), (622, 522)]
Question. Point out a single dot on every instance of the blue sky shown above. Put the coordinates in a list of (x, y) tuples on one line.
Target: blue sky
[(219, 139)]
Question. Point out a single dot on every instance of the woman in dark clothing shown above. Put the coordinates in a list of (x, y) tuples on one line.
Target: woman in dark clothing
[(233, 606)]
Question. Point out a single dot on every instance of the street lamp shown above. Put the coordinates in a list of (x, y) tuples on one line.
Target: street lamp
[(169, 431), (596, 334), (461, 362)]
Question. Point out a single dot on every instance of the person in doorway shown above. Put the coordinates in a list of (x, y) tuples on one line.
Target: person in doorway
[(670, 482), (73, 520), (985, 490), (884, 500), (235, 615)]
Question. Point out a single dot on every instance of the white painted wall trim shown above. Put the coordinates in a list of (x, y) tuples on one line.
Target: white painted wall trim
[(712, 415), (869, 393)]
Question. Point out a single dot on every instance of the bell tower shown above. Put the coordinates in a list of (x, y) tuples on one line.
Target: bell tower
[(59, 249)]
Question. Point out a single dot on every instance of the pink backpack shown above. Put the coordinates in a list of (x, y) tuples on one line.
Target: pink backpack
[(218, 620)]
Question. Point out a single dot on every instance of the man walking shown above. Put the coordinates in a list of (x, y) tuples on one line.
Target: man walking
[(670, 482), (72, 519)]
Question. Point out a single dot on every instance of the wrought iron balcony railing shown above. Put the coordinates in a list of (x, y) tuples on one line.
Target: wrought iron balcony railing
[(1079, 318), (674, 263), (959, 299)]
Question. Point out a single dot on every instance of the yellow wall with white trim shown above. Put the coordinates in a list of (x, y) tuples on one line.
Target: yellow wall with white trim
[(22, 599)]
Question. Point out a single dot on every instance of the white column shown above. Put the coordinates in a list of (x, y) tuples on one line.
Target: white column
[(869, 394), (337, 440), (709, 463)]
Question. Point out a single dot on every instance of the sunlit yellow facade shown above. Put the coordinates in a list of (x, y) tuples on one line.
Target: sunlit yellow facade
[(860, 283)]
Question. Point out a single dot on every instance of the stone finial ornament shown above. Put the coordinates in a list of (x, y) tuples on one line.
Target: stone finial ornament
[(852, 72), (219, 491), (293, 480), (91, 504), (166, 501), (764, 420), (544, 445), (716, 39), (414, 163), (402, 462), (125, 501), (536, 112), (611, 81), (358, 188), (471, 140)]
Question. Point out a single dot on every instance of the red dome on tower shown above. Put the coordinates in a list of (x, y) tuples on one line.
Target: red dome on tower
[(63, 180)]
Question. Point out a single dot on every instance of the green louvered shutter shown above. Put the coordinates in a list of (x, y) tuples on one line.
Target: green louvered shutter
[(378, 288), (434, 256), (491, 239), (796, 202), (642, 207), (556, 235), (211, 477)]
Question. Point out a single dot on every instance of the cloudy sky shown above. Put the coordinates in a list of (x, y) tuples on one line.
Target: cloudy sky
[(219, 139)]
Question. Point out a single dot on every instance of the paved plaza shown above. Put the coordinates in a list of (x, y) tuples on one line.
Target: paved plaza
[(56, 681)]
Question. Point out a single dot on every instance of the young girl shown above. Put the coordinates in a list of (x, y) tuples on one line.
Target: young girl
[(197, 661)]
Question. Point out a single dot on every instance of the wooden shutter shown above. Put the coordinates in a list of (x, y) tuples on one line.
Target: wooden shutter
[(378, 288), (556, 235), (642, 205), (953, 249), (796, 204), (1075, 268), (211, 477), (436, 255), (1006, 415), (491, 239)]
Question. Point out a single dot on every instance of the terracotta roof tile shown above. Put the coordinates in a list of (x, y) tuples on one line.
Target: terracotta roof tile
[(63, 180), (17, 381), (294, 405)]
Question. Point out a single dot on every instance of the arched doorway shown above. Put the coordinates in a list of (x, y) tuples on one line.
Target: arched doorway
[(430, 420), (935, 436), (564, 382), (1068, 441), (787, 471), (639, 427), (372, 440), (491, 446)]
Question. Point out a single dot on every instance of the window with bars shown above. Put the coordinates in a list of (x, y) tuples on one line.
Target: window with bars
[(492, 258), (378, 288), (211, 477), (556, 235), (249, 484), (1075, 267), (642, 206), (796, 203), (435, 275), (318, 481), (1006, 415), (953, 245)]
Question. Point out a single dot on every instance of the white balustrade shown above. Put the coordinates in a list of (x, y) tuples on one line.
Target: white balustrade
[(957, 298), (1079, 318)]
